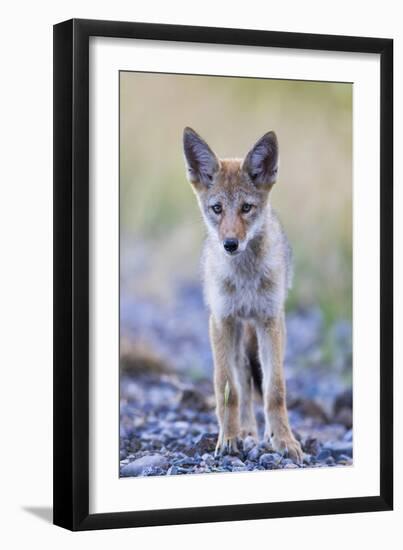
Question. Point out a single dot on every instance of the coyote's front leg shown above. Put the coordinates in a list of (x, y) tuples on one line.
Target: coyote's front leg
[(271, 337), (223, 343)]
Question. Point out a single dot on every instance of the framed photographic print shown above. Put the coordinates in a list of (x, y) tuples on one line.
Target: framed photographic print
[(223, 236)]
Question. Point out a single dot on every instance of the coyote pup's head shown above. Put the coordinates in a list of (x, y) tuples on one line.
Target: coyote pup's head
[(232, 193)]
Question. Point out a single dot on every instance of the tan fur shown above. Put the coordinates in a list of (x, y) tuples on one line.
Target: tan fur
[(274, 391), (245, 289), (223, 339)]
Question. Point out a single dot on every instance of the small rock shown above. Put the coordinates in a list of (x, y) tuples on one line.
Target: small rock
[(208, 459), (348, 436), (205, 443), (134, 445), (153, 471), (124, 443), (338, 448), (344, 460), (183, 470), (307, 459), (268, 460), (254, 454), (330, 460), (190, 414), (187, 461), (265, 446), (148, 436), (196, 429), (343, 457), (181, 426), (233, 463), (249, 443), (311, 445), (141, 466), (170, 416), (324, 454), (205, 417), (287, 461), (290, 466)]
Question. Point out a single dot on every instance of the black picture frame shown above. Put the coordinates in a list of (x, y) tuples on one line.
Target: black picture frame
[(71, 273)]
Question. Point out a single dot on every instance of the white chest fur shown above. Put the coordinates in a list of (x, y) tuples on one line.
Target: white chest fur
[(244, 286)]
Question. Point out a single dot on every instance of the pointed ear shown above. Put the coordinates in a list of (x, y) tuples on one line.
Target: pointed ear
[(261, 163), (201, 162)]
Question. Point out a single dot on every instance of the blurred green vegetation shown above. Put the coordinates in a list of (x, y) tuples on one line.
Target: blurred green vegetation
[(313, 122)]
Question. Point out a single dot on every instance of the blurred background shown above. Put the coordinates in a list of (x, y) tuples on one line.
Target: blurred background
[(163, 320)]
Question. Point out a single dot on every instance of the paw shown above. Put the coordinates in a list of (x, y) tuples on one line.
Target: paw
[(226, 446), (288, 445)]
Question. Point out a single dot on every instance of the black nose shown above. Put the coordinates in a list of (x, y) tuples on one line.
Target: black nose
[(231, 245)]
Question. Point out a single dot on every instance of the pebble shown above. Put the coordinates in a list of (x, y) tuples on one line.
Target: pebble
[(134, 445), (187, 461), (324, 454), (338, 448), (183, 470), (254, 454), (344, 460), (208, 459), (287, 462), (311, 445), (144, 465), (249, 443), (268, 460), (205, 443), (153, 471), (348, 436), (181, 426), (265, 446), (233, 462)]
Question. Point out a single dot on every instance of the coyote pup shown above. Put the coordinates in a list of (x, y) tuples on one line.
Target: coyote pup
[(247, 272)]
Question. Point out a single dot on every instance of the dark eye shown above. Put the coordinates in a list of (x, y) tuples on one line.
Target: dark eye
[(246, 207), (217, 208)]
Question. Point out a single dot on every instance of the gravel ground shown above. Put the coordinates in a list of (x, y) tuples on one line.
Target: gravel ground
[(168, 428), (168, 425)]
